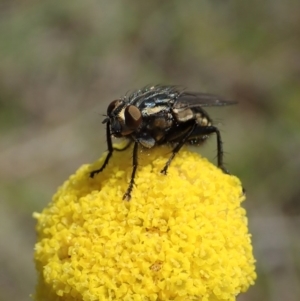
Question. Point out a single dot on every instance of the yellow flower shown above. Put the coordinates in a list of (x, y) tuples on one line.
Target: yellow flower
[(183, 236)]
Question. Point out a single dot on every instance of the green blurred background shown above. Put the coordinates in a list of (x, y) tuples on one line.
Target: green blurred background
[(62, 62)]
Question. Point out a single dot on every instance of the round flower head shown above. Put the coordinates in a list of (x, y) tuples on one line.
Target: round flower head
[(182, 236)]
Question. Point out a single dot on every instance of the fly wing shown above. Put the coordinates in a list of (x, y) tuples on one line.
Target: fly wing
[(196, 99)]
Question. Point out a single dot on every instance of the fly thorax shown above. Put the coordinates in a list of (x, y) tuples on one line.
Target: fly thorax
[(183, 115), (162, 122)]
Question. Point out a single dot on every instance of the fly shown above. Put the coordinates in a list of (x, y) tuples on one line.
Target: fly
[(160, 115)]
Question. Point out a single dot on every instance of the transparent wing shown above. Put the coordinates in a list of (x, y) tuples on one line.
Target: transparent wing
[(196, 99)]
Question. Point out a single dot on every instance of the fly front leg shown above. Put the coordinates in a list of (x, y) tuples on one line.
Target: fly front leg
[(110, 151), (178, 147)]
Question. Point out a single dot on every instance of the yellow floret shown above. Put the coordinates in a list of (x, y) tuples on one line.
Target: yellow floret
[(183, 236)]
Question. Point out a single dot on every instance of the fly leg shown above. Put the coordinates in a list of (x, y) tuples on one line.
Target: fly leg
[(127, 195), (110, 151), (178, 147), (210, 130)]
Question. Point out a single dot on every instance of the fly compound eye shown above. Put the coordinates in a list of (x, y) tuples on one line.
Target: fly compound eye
[(112, 106), (133, 117)]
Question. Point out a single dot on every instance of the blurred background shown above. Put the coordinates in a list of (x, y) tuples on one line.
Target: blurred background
[(63, 62)]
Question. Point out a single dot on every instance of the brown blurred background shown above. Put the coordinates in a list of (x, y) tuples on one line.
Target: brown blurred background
[(62, 62)]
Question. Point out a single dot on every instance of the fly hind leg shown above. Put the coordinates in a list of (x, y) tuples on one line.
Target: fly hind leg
[(205, 132)]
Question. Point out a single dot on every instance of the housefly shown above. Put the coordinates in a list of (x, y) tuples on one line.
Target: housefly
[(160, 115)]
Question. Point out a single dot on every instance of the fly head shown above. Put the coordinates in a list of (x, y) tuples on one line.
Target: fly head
[(123, 118)]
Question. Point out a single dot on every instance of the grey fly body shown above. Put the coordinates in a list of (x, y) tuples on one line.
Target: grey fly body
[(159, 115)]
